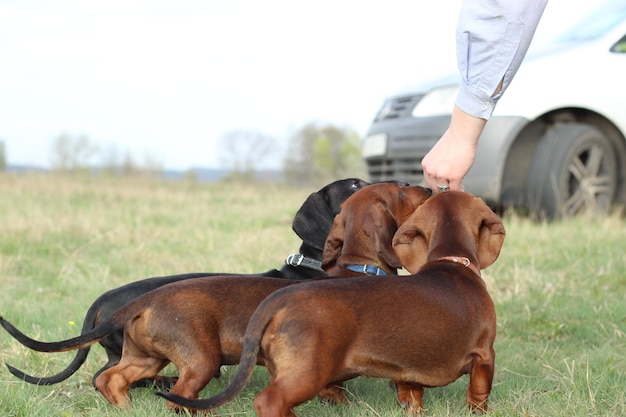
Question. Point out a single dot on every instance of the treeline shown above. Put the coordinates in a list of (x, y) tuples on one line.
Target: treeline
[(70, 154), (316, 154)]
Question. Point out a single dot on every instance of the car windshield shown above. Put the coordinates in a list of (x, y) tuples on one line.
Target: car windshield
[(594, 25)]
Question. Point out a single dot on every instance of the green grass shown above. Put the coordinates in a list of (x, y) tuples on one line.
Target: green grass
[(559, 289)]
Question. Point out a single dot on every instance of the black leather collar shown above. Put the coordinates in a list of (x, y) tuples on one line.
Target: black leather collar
[(299, 260)]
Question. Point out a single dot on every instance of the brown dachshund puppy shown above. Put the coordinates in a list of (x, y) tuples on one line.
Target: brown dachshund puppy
[(198, 324), (421, 330)]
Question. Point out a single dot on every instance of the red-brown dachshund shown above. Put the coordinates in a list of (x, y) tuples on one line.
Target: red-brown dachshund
[(198, 324), (421, 330)]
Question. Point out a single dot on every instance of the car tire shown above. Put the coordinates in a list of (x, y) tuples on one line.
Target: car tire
[(573, 171)]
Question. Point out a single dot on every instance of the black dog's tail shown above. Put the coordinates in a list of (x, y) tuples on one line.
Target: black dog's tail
[(82, 341), (76, 363), (81, 356), (250, 352)]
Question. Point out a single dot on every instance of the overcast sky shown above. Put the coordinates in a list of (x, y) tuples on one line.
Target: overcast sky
[(166, 80)]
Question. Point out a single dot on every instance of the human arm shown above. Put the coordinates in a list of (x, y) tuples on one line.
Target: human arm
[(493, 37)]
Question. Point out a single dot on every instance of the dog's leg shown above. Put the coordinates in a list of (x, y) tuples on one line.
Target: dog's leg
[(479, 387), (410, 397), (193, 377), (114, 382), (270, 404), (135, 364), (284, 393), (113, 387)]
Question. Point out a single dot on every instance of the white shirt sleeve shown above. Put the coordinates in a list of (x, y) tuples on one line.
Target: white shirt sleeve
[(492, 38)]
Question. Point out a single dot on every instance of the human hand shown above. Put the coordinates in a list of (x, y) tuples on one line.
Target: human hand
[(451, 158)]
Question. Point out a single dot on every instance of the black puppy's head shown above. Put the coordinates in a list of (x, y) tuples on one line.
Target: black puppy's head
[(314, 219)]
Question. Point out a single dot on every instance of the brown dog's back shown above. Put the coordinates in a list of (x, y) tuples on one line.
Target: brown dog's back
[(405, 328), (394, 323), (211, 311), (197, 325)]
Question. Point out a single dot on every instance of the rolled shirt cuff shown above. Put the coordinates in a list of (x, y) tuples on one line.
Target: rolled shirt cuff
[(476, 103)]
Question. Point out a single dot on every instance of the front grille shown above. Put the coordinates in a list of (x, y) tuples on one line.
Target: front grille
[(397, 169), (398, 107), (403, 160)]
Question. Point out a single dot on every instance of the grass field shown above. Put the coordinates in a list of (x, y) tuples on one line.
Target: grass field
[(559, 289)]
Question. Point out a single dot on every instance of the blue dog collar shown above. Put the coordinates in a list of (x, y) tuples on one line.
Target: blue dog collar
[(366, 269)]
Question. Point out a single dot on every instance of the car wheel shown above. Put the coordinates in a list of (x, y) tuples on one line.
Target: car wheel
[(573, 171)]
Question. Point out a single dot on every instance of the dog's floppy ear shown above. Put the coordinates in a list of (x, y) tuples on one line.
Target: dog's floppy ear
[(490, 237), (376, 223), (334, 241), (313, 221), (381, 225), (410, 242)]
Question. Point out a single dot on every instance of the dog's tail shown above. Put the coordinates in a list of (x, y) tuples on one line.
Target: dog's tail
[(86, 339), (81, 356), (250, 352), (76, 363), (82, 341)]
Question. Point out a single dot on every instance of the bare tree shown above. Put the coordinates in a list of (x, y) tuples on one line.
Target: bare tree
[(72, 153), (243, 151)]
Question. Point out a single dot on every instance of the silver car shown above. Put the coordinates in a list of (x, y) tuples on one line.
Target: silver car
[(556, 143)]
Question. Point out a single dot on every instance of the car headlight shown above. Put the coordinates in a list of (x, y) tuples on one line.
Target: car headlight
[(375, 145), (437, 102)]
